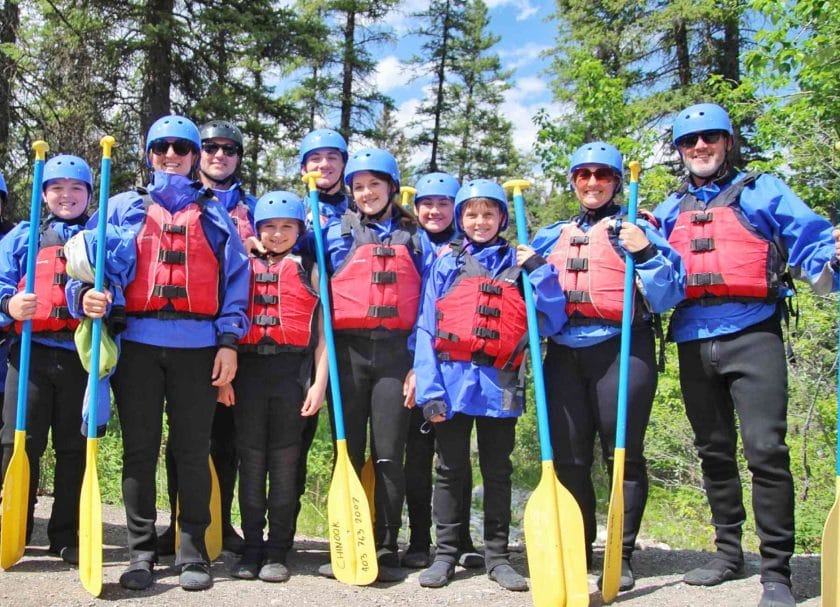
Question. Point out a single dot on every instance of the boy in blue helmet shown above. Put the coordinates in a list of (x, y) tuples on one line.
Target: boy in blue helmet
[(57, 379), (729, 338), (178, 277), (587, 256), (272, 398), (471, 337)]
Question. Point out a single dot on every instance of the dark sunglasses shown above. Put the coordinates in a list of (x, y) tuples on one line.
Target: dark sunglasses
[(710, 137), (211, 148), (601, 174), (182, 147)]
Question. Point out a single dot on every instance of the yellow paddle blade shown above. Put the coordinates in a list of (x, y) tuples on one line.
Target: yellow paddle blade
[(213, 535), (352, 545), (90, 525), (574, 545), (615, 532), (15, 504), (369, 485), (830, 568)]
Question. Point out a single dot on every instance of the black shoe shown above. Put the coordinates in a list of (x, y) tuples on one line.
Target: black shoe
[(417, 557), (776, 594), (231, 540), (507, 577), (70, 555), (166, 542), (471, 560), (627, 580), (716, 571), (387, 558), (137, 576), (326, 570), (274, 571), (438, 575), (248, 567), (195, 576)]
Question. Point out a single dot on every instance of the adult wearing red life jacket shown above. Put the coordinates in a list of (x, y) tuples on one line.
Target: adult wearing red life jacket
[(737, 234), (587, 256), (177, 269), (375, 260)]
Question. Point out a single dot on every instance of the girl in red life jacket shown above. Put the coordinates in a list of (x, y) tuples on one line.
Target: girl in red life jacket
[(272, 400), (57, 379), (376, 262)]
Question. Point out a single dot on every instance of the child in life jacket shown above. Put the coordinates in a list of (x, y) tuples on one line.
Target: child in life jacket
[(271, 396), (434, 203), (376, 262), (57, 379), (471, 338), (587, 256), (179, 275)]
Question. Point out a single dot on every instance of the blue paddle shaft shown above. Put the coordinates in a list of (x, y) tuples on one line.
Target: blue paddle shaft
[(29, 288), (324, 289), (626, 328), (533, 337)]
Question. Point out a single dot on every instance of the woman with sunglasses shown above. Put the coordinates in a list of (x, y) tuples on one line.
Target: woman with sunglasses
[(582, 360), (179, 276)]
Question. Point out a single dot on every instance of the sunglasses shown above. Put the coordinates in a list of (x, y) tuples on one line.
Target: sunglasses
[(211, 148), (600, 174), (182, 147), (710, 137)]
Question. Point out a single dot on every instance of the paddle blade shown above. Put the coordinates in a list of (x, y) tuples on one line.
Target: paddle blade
[(369, 485), (352, 546), (830, 568), (615, 532), (544, 543), (213, 535), (574, 546), (15, 504), (90, 525)]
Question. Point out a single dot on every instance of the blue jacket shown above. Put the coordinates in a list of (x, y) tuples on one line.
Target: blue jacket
[(660, 279), (332, 208), (13, 256), (465, 387), (126, 214), (778, 214), (233, 195)]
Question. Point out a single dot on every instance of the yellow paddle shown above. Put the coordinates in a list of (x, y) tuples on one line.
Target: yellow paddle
[(406, 193), (213, 533), (16, 482), (90, 503), (553, 523), (615, 517), (352, 545), (369, 485)]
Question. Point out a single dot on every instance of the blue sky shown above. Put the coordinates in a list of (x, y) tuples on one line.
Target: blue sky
[(525, 34)]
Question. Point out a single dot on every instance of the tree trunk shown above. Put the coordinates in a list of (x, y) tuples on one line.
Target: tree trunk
[(440, 74), (348, 61), (8, 35), (157, 73), (682, 52)]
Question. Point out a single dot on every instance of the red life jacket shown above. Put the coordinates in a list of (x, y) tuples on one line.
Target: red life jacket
[(51, 312), (377, 285), (281, 307), (726, 258), (239, 215), (177, 270), (481, 318), (591, 269)]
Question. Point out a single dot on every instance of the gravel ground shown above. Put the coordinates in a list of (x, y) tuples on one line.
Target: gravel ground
[(41, 580)]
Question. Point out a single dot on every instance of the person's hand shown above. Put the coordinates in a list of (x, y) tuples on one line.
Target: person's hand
[(632, 238), (226, 395), (437, 419), (224, 367), (95, 303), (253, 246), (22, 306), (314, 399), (409, 390), (523, 254)]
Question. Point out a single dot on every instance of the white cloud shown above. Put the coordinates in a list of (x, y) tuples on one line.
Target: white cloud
[(520, 56), (526, 9), (400, 18), (391, 74), (521, 103)]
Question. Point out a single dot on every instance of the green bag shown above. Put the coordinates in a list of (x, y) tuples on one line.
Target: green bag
[(107, 347)]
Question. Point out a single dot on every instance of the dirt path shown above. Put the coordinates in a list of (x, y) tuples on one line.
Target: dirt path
[(43, 580)]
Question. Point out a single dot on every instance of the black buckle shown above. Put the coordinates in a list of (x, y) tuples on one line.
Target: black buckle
[(382, 311), (485, 333), (262, 320), (167, 256), (577, 264), (489, 311), (383, 278), (60, 279), (169, 291), (578, 240), (265, 299), (578, 297), (483, 359), (60, 312), (384, 251), (172, 228), (266, 277), (702, 217), (702, 244), (704, 279), (447, 336), (59, 253), (490, 288)]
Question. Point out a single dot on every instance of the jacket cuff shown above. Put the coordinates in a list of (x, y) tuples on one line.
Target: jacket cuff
[(228, 340), (534, 262), (4, 305), (433, 408), (649, 252), (834, 263)]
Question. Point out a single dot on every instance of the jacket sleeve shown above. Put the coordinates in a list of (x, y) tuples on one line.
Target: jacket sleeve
[(661, 279), (13, 251), (429, 380)]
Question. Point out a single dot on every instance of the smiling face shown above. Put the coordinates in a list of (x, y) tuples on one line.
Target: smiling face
[(595, 185), (219, 158), (169, 160), (330, 163), (435, 213), (703, 158), (279, 235), (66, 198), (371, 191), (481, 219)]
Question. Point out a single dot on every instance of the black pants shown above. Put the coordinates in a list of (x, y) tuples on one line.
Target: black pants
[(496, 438), (55, 392), (582, 392), (145, 379), (419, 458), (745, 374), (372, 373), (269, 396)]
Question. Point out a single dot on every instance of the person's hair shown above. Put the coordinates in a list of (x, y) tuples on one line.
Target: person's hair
[(406, 216), (481, 202)]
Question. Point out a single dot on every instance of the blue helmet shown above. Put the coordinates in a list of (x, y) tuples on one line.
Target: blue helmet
[(65, 166), (372, 159), (481, 188), (279, 204), (3, 190), (701, 117), (320, 139), (598, 152), (173, 126), (436, 184)]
